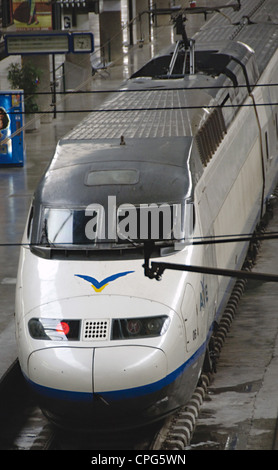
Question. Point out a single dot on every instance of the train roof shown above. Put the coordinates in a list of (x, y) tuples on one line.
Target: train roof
[(151, 105), (255, 24), (159, 116), (135, 171)]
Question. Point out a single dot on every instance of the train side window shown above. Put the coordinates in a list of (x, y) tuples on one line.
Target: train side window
[(30, 222)]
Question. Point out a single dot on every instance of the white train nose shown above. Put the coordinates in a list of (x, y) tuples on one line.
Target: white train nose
[(97, 370)]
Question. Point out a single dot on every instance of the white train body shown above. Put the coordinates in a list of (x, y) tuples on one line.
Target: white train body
[(97, 339)]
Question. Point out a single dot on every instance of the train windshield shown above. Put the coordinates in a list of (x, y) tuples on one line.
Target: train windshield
[(126, 227)]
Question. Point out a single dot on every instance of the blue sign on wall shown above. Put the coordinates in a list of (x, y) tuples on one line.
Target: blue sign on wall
[(12, 146)]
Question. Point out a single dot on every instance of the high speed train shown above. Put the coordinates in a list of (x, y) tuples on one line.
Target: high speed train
[(185, 150)]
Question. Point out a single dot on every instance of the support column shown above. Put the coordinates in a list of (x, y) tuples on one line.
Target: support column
[(41, 62), (78, 72), (78, 68), (111, 36)]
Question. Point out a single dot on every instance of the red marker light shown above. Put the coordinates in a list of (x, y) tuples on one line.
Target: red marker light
[(63, 327)]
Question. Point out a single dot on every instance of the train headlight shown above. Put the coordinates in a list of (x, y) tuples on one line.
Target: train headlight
[(128, 328), (54, 329)]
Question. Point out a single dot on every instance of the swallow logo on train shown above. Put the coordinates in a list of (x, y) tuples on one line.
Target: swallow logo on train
[(98, 286)]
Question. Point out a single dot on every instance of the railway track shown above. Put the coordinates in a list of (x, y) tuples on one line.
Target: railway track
[(22, 424), (21, 421), (24, 427)]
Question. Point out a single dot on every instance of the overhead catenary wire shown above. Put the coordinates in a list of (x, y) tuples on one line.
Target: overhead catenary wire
[(156, 269), (206, 240), (142, 90), (164, 108), (78, 90)]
